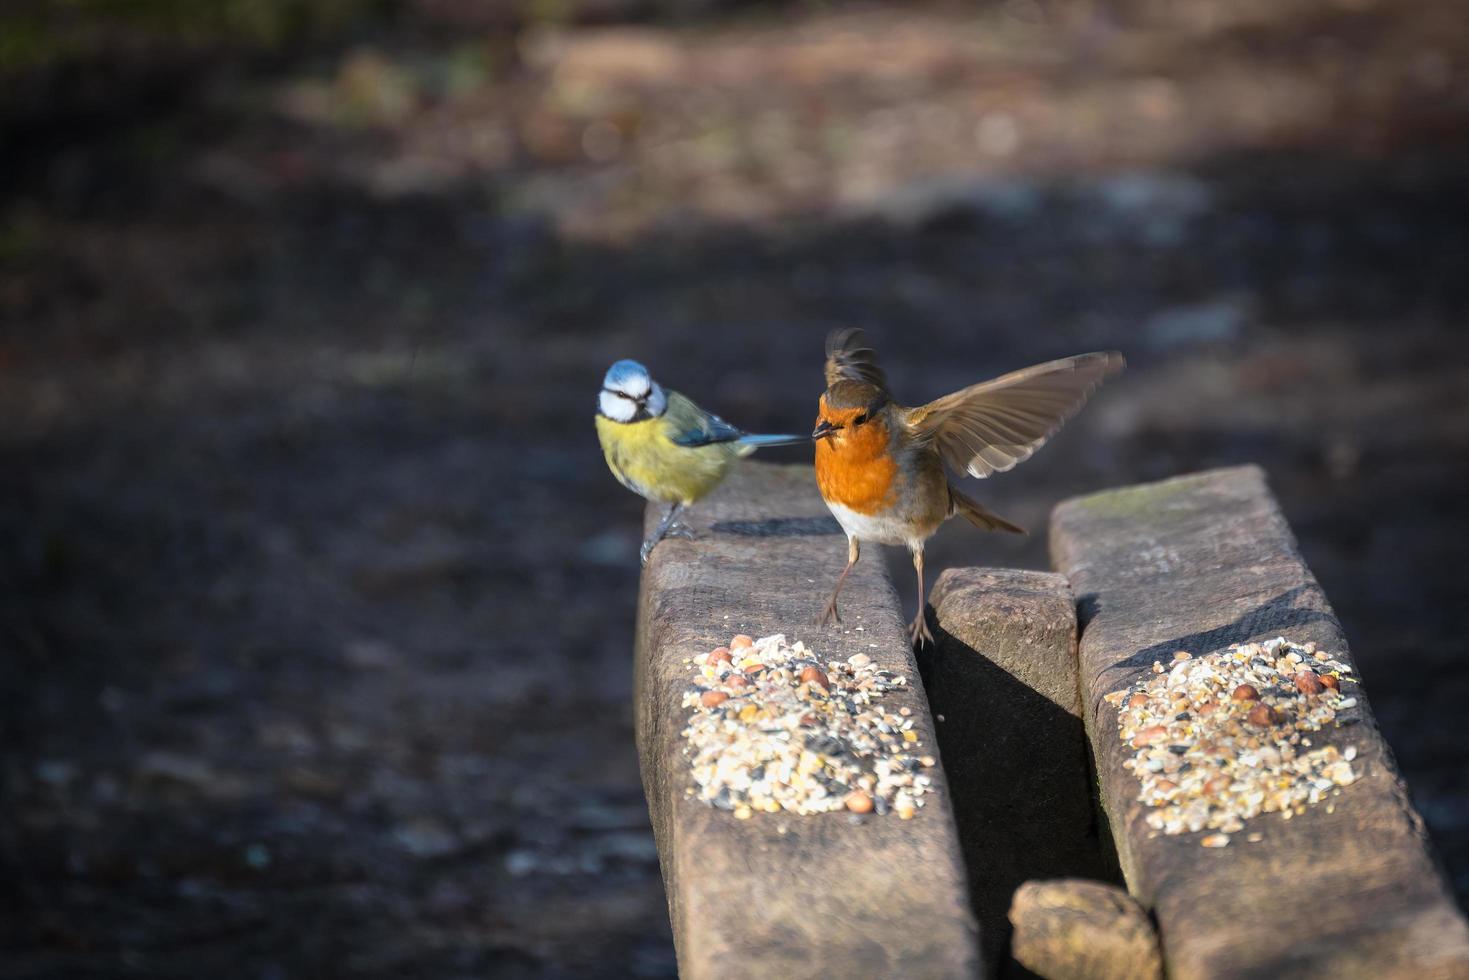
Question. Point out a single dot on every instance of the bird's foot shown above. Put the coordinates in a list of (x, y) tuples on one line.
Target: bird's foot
[(830, 614), (918, 632), (671, 531)]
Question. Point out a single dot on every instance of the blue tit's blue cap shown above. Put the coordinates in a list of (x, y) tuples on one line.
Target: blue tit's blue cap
[(627, 375)]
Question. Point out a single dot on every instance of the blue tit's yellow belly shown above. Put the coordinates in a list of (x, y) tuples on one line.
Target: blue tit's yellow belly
[(650, 464)]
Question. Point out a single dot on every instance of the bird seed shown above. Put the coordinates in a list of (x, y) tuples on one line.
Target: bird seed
[(1223, 738), (778, 730)]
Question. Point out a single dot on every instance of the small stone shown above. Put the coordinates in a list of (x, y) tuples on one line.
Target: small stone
[(1245, 692), (1217, 784), (858, 802), (1216, 840), (1138, 701), (719, 654), (815, 675), (737, 680), (1207, 708), (1262, 716), (1308, 683), (859, 660), (740, 642), (1331, 681), (713, 699), (1182, 655), (1346, 703)]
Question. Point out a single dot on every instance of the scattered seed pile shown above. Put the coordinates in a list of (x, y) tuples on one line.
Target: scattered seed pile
[(1225, 737), (774, 729)]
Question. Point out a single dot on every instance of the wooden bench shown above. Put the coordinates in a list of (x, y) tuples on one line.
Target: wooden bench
[(1193, 564)]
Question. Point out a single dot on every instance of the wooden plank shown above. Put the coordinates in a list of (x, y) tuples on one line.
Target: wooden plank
[(834, 894), (1195, 564), (1002, 675)]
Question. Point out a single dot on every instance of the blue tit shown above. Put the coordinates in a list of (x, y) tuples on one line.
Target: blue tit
[(663, 447)]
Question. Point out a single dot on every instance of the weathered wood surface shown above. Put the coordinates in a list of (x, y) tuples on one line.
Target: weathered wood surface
[(1197, 563), (1002, 674), (834, 895), (1072, 929)]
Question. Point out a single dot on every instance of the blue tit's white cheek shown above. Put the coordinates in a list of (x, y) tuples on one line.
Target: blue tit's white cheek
[(657, 401), (616, 408)]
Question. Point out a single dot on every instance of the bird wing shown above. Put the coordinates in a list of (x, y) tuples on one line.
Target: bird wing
[(847, 359), (990, 427), (690, 426)]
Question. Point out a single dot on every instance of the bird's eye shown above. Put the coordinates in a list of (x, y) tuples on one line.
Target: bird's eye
[(860, 419)]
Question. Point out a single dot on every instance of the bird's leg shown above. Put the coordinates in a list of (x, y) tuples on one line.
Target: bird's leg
[(659, 532), (854, 551), (918, 631)]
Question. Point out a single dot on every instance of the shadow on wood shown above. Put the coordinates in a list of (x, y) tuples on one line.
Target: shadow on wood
[(1002, 675)]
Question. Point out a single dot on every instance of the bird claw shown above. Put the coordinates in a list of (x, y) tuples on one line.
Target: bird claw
[(918, 632), (672, 531)]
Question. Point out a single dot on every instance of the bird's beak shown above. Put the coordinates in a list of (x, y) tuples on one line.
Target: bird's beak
[(823, 429)]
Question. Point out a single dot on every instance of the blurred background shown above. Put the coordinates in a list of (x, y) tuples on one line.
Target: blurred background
[(316, 598)]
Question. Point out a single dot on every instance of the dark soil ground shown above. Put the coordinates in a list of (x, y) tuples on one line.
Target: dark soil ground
[(316, 599)]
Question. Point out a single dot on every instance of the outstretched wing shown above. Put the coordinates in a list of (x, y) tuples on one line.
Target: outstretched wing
[(848, 360), (990, 427)]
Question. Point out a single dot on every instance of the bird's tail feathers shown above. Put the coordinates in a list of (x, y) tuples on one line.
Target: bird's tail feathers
[(759, 442), (976, 514)]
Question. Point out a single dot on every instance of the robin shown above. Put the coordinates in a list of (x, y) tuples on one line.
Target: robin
[(880, 466), (663, 447)]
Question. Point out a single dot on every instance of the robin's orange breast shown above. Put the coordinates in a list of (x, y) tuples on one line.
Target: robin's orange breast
[(855, 468)]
